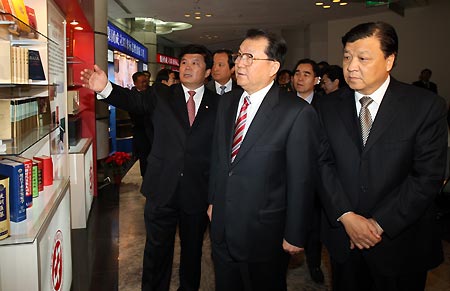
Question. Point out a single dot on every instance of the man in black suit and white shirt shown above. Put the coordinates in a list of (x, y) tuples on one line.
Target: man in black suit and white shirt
[(176, 181), (385, 162), (262, 172), (222, 72)]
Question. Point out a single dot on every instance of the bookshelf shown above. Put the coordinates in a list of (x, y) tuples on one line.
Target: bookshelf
[(39, 246)]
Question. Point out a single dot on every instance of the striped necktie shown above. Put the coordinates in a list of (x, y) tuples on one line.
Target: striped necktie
[(239, 129)]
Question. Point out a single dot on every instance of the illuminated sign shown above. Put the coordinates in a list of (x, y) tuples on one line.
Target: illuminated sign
[(124, 43)]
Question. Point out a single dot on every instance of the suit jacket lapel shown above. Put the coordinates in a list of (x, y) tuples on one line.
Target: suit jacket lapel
[(203, 108), (259, 123), (178, 103), (347, 112), (385, 115)]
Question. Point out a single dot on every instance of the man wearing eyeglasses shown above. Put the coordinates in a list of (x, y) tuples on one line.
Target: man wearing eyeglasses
[(262, 170)]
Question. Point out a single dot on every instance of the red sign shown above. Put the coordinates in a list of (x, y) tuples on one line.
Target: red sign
[(57, 261), (163, 59)]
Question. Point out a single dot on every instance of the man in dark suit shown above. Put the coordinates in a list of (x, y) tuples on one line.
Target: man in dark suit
[(306, 77), (424, 81), (176, 180), (222, 72), (384, 165), (142, 125), (262, 172)]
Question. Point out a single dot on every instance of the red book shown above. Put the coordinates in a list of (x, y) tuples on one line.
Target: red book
[(47, 169), (31, 17), (28, 164)]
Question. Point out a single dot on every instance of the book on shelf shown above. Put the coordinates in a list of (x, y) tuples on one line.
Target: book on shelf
[(16, 173), (35, 179), (28, 165), (47, 169), (6, 61), (35, 69), (21, 13), (5, 227), (31, 17), (22, 114), (40, 181)]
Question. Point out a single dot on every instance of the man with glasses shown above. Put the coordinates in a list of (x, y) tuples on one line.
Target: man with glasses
[(262, 172)]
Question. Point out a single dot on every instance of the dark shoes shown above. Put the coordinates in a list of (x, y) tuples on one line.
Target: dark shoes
[(316, 275)]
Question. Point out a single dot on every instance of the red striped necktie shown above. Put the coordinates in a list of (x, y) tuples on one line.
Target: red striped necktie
[(239, 129)]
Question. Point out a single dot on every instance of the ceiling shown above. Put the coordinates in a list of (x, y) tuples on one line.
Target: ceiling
[(232, 18)]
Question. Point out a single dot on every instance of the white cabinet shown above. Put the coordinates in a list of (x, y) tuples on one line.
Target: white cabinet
[(81, 181)]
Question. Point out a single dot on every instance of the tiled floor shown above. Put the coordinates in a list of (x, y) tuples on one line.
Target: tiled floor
[(108, 254)]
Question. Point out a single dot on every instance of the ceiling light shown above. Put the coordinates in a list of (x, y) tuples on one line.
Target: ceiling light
[(197, 17), (343, 3), (187, 15), (336, 1), (326, 6), (74, 22), (197, 13), (319, 3), (208, 15), (78, 28)]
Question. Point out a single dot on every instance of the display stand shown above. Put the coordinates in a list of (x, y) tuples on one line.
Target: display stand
[(81, 182), (37, 254)]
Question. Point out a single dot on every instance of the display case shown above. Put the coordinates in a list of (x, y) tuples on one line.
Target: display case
[(81, 181), (40, 245)]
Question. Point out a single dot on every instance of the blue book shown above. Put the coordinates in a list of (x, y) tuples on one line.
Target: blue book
[(16, 173)]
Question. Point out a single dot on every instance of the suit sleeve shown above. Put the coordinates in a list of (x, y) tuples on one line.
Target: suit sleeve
[(416, 193), (301, 159), (131, 101), (332, 195)]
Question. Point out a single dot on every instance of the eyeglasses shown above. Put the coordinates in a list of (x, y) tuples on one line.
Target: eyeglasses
[(247, 59)]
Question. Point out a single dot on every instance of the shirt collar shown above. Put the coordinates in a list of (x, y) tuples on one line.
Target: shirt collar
[(227, 85), (198, 92), (378, 95), (259, 95), (308, 98)]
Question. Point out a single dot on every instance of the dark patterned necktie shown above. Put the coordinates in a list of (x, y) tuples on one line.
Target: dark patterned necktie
[(365, 118)]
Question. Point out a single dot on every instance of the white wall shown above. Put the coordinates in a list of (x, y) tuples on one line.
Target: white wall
[(424, 41)]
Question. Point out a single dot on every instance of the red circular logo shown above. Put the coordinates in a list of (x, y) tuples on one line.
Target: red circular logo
[(57, 261)]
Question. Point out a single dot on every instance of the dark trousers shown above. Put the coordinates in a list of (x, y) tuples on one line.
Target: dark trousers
[(356, 275), (161, 225), (313, 246), (248, 276)]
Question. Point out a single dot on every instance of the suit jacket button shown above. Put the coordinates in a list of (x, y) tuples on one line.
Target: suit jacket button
[(230, 173), (181, 174)]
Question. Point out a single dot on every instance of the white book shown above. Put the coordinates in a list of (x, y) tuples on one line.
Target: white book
[(5, 62)]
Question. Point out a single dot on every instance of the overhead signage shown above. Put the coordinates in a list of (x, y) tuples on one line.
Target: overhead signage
[(119, 40), (163, 59)]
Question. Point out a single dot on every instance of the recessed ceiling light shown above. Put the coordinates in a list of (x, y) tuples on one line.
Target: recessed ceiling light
[(343, 3), (208, 15), (319, 3), (187, 15), (78, 28), (336, 1), (326, 6), (74, 22), (197, 13), (198, 17)]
